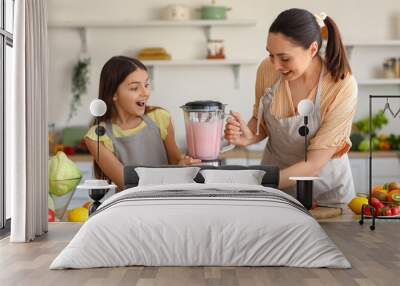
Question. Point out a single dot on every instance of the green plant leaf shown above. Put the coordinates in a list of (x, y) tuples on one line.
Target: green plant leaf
[(80, 80)]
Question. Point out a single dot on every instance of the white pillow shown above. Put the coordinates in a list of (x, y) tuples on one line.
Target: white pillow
[(162, 176), (248, 177)]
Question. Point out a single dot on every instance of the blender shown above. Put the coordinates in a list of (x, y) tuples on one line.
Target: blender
[(204, 122)]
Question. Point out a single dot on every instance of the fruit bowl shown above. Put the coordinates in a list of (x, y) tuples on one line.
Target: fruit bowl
[(383, 209), (384, 216), (384, 199)]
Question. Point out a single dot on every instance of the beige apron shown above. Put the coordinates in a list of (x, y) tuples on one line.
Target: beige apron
[(285, 147), (143, 148)]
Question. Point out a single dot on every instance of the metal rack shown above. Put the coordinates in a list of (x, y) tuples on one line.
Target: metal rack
[(369, 206)]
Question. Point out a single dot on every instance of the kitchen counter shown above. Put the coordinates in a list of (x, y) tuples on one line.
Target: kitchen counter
[(257, 154), (81, 157)]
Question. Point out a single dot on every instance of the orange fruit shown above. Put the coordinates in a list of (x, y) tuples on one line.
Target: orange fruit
[(377, 188)]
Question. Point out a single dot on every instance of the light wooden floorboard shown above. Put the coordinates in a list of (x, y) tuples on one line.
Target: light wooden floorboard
[(374, 255)]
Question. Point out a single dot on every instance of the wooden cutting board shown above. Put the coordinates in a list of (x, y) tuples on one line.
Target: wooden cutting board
[(324, 212)]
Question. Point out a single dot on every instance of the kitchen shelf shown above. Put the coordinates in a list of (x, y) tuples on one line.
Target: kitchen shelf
[(380, 81), (235, 64), (207, 25), (155, 23), (82, 26), (385, 43), (204, 62), (366, 45)]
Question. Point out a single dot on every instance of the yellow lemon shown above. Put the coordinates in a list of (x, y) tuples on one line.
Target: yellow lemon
[(356, 204), (78, 215)]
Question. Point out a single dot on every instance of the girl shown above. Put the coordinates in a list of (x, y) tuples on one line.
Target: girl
[(295, 71), (136, 134)]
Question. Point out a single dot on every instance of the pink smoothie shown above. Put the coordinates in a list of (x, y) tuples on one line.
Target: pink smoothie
[(204, 139)]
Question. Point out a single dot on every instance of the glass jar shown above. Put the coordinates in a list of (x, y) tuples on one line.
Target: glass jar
[(389, 66), (215, 49)]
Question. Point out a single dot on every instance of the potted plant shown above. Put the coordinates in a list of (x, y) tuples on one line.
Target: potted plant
[(80, 81)]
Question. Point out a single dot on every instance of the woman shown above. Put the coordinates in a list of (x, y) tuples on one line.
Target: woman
[(295, 71), (136, 133)]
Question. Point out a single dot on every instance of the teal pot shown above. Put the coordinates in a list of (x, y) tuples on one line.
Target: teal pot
[(212, 12)]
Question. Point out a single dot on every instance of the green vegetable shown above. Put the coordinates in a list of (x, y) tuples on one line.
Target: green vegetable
[(378, 121), (64, 175), (394, 141), (364, 145), (356, 139)]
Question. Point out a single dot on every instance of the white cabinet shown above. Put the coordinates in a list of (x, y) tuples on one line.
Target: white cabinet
[(359, 169), (384, 170), (86, 168), (254, 161), (236, 161), (80, 195), (242, 161)]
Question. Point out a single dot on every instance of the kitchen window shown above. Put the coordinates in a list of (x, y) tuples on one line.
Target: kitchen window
[(6, 63)]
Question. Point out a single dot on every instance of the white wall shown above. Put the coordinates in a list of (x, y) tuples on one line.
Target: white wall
[(359, 20)]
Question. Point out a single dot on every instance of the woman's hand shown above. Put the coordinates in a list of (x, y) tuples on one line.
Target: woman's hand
[(237, 132), (187, 160)]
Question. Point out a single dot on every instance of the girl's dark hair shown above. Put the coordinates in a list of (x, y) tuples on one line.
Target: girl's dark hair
[(113, 73), (301, 26)]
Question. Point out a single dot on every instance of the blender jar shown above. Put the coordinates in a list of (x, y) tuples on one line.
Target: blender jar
[(204, 121)]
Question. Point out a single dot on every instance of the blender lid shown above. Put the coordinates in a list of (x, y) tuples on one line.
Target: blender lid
[(207, 105)]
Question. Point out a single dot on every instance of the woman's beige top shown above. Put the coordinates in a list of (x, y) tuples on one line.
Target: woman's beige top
[(338, 105)]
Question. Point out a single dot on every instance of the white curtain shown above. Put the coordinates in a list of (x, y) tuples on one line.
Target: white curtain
[(26, 123)]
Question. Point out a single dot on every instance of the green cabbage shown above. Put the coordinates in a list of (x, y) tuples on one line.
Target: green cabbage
[(64, 175)]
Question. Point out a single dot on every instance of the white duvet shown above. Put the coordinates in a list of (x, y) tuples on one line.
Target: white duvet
[(207, 230)]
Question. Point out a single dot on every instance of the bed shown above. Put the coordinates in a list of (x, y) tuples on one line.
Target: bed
[(201, 224)]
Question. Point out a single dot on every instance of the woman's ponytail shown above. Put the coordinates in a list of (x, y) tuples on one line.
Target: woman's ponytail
[(335, 54)]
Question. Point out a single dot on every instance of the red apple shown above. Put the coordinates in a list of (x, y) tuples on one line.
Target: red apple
[(51, 215), (69, 150), (395, 210), (376, 203)]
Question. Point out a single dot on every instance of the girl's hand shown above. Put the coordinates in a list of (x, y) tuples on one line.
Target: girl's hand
[(187, 160), (236, 130)]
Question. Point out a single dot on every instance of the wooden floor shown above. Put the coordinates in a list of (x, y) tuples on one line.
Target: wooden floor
[(374, 255)]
